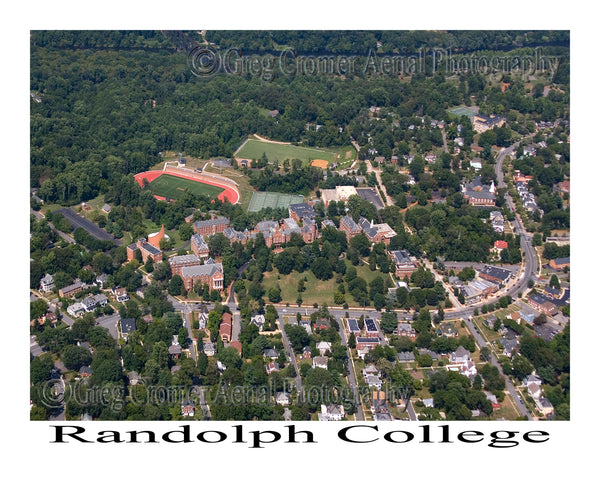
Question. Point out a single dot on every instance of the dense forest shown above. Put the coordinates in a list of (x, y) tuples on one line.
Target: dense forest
[(110, 102)]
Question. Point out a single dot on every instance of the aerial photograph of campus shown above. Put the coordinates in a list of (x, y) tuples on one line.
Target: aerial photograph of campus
[(299, 225)]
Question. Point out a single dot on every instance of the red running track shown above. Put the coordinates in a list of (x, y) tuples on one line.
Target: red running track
[(230, 194)]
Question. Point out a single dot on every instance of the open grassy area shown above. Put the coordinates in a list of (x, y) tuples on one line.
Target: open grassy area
[(317, 291), (254, 149), (174, 187)]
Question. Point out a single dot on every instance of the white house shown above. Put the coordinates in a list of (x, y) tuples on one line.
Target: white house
[(76, 309)]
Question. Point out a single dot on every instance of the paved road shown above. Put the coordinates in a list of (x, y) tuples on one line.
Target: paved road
[(292, 356), (93, 229), (185, 308), (351, 375), (509, 386), (110, 323)]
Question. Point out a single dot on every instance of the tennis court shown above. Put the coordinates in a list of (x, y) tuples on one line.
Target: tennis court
[(460, 111), (262, 200)]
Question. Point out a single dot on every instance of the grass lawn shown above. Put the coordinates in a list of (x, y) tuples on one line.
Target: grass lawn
[(254, 149), (244, 187), (317, 291), (173, 187)]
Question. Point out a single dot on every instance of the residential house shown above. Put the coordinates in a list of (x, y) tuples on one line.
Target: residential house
[(187, 409), (100, 280), (531, 379), (72, 289), (121, 294), (509, 346), (175, 350), (374, 381), (89, 303), (271, 353), (225, 329), (448, 330), (237, 345), (494, 400), (365, 343), (76, 309), (282, 398), (379, 402), (406, 330), (534, 390), (331, 413), (306, 352), (405, 357), (306, 325), (544, 406), (209, 348), (100, 299), (85, 371), (272, 367), (259, 321), (461, 355), (324, 347), (322, 323), (127, 326), (320, 362), (47, 283)]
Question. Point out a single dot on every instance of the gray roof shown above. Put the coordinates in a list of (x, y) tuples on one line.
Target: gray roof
[(350, 223), (353, 325), (183, 259), (401, 257), (302, 210), (201, 270), (406, 357), (128, 325), (366, 226), (198, 240)]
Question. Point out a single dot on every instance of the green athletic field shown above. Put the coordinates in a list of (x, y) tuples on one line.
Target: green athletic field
[(173, 187), (460, 111), (262, 200), (254, 150)]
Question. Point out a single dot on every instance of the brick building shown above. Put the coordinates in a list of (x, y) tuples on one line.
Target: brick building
[(349, 227), (148, 251), (212, 226), (210, 273), (199, 246), (405, 264), (180, 261), (226, 327)]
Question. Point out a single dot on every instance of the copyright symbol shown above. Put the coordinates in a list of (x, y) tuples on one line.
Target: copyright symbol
[(52, 393), (203, 61)]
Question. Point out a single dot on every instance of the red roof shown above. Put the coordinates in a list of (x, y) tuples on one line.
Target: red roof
[(501, 244)]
